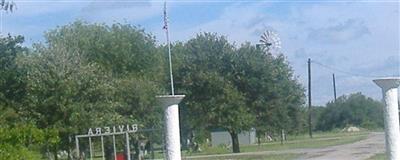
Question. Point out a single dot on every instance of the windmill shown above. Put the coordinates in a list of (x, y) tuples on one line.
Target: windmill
[(7, 6), (270, 41)]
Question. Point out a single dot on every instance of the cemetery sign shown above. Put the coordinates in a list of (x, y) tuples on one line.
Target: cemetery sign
[(101, 131)]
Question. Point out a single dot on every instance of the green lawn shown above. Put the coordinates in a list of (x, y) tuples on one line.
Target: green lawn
[(380, 156), (258, 157), (303, 141), (316, 142)]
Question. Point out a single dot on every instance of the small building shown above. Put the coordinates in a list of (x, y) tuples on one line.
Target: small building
[(222, 137)]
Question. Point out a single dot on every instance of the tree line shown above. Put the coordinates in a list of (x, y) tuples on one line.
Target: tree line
[(86, 75)]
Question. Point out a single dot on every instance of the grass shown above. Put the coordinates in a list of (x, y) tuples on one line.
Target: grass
[(380, 156), (316, 142), (321, 139), (257, 157), (303, 141)]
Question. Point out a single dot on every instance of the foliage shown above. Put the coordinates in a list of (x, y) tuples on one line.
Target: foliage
[(131, 58), (120, 48), (90, 75), (235, 88), (203, 77), (12, 84), (271, 90), (23, 142), (64, 92), (355, 109)]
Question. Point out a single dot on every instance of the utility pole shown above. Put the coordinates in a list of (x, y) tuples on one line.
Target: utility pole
[(334, 85), (309, 98)]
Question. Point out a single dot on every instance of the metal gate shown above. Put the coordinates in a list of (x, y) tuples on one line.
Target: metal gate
[(114, 132)]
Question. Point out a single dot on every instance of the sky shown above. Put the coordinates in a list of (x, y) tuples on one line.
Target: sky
[(358, 41)]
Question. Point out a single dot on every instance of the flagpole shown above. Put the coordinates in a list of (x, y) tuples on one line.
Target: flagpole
[(169, 48)]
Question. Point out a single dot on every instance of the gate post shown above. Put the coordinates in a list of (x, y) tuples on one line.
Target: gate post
[(171, 125), (391, 115)]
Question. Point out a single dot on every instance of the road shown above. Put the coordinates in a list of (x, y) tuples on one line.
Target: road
[(361, 150)]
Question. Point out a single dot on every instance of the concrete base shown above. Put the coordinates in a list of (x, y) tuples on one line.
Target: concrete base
[(391, 115), (171, 125)]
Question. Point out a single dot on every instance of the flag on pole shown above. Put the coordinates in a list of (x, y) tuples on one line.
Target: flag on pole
[(165, 16)]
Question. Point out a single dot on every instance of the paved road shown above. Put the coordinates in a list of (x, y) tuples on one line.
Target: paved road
[(361, 150)]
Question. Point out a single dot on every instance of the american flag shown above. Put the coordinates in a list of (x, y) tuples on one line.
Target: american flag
[(165, 16)]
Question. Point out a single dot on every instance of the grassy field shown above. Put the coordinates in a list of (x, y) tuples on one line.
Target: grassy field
[(381, 156), (316, 142), (322, 139), (257, 157), (303, 141)]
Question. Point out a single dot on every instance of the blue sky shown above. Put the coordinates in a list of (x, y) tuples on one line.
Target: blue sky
[(356, 40)]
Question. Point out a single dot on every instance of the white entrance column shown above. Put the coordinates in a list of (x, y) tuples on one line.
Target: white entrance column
[(171, 125), (391, 115)]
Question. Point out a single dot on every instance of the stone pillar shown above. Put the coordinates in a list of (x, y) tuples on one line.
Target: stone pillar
[(391, 115), (171, 125)]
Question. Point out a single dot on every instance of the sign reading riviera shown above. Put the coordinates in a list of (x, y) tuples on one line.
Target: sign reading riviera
[(114, 129)]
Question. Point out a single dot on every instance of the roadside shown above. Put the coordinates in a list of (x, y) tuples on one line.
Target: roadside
[(359, 149)]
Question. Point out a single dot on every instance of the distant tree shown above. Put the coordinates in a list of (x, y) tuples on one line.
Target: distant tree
[(355, 109)]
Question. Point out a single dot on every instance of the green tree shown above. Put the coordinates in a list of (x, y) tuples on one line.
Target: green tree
[(89, 75), (271, 89), (12, 83), (129, 54), (65, 92), (355, 109), (203, 77)]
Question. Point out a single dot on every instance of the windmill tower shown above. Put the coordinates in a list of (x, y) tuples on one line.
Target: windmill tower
[(270, 42)]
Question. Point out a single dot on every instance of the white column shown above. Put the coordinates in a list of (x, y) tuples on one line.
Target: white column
[(171, 125), (391, 115)]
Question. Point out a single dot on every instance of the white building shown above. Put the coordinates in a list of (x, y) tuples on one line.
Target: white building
[(220, 137)]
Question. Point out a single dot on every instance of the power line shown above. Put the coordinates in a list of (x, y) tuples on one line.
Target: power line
[(345, 72)]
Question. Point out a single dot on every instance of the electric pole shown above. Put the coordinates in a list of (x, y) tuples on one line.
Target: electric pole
[(309, 99), (334, 86)]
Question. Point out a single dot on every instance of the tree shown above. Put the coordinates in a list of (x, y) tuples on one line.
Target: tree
[(271, 90), (12, 83), (129, 54), (203, 77), (89, 75), (236, 88), (20, 138), (66, 93), (355, 109)]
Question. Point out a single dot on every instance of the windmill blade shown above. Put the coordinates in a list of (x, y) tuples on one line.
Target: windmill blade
[(13, 6), (270, 40), (6, 6)]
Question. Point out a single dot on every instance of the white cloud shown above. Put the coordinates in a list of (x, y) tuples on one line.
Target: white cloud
[(117, 11), (349, 30), (357, 37), (354, 37)]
